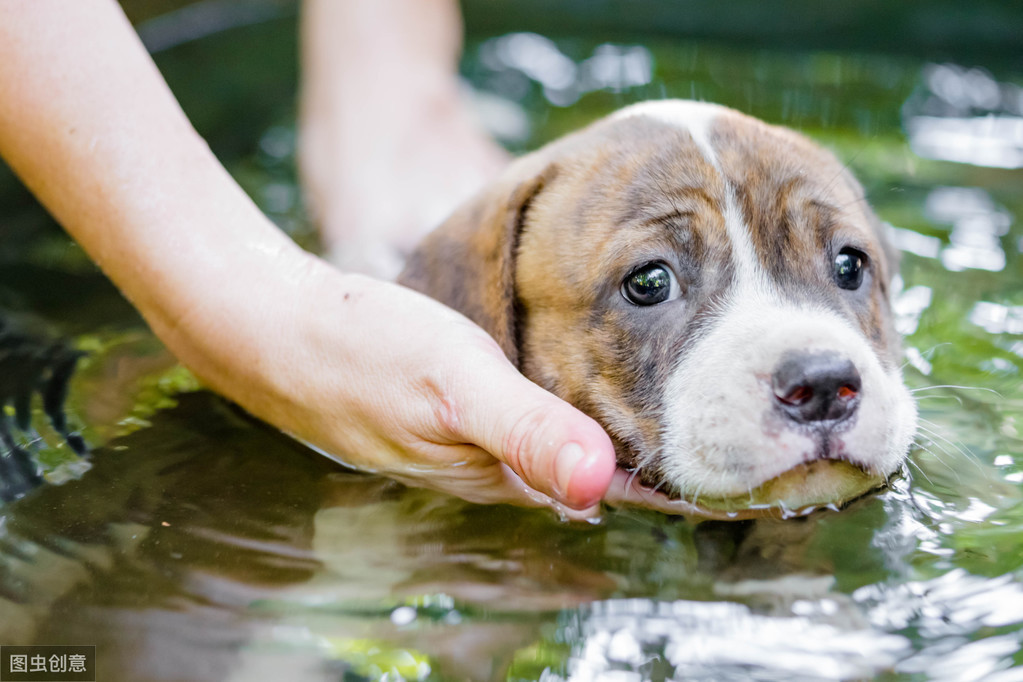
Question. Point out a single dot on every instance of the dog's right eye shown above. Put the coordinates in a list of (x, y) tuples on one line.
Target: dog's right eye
[(649, 285), (849, 266)]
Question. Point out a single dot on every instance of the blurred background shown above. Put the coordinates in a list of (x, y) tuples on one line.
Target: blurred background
[(193, 543)]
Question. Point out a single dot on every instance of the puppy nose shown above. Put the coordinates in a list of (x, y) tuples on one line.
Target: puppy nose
[(816, 387)]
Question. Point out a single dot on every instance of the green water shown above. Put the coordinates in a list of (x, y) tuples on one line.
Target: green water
[(201, 545)]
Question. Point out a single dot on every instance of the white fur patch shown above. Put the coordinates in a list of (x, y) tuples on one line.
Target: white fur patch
[(750, 278), (724, 434), (694, 117)]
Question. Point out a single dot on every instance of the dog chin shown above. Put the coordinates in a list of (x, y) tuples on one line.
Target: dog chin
[(800, 490), (785, 473)]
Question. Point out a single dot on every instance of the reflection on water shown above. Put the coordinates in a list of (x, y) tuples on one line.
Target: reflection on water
[(977, 227), (150, 551), (204, 546), (517, 58), (908, 306), (966, 115), (947, 611), (998, 319), (209, 547), (698, 640)]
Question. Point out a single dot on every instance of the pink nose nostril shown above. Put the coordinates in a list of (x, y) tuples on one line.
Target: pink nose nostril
[(797, 396)]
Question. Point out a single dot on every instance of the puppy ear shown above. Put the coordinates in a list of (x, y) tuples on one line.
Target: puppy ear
[(468, 263)]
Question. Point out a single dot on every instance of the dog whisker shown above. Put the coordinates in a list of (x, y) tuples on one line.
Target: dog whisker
[(845, 168), (632, 477), (961, 449), (653, 491), (914, 499), (861, 200), (938, 458), (938, 397), (929, 353), (962, 388), (696, 493), (914, 465)]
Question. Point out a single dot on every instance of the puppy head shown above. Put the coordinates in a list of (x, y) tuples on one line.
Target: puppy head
[(712, 289)]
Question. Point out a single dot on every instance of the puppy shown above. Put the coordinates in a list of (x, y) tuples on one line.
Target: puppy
[(712, 289)]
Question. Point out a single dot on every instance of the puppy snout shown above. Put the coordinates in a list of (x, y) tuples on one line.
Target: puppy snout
[(816, 387)]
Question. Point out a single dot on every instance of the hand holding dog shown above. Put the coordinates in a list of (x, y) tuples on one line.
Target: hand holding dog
[(406, 387)]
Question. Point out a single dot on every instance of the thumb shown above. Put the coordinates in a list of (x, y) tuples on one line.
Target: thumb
[(552, 446)]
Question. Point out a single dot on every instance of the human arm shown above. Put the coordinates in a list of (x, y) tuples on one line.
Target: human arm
[(389, 145), (385, 378)]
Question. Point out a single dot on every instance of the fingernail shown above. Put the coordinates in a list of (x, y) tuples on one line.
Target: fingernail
[(564, 466)]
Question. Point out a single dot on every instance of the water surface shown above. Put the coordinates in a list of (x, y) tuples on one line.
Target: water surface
[(203, 545)]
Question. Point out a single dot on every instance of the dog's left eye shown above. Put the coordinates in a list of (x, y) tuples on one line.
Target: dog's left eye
[(649, 285), (849, 266)]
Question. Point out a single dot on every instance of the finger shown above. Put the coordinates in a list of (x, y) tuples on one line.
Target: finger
[(492, 484), (553, 447), (626, 491)]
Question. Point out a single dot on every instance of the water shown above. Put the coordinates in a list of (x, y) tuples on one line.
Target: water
[(201, 545)]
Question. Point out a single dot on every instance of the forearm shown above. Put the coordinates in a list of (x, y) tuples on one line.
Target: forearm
[(366, 46), (89, 125), (389, 145), (360, 51)]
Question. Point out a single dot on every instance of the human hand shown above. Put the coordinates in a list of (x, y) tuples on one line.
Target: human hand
[(386, 380)]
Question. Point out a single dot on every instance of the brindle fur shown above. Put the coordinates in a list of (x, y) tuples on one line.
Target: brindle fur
[(539, 258)]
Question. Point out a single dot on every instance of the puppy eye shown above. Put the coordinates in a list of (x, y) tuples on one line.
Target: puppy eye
[(649, 285), (849, 266)]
